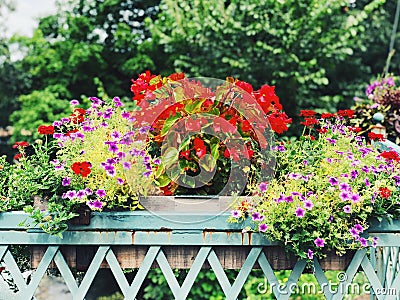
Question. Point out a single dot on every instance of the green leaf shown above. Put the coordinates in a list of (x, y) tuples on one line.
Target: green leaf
[(163, 180), (169, 123), (170, 157), (194, 106)]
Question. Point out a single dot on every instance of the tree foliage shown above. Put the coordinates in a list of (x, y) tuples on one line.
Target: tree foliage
[(306, 48)]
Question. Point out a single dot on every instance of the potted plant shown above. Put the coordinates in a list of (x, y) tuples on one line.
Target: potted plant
[(330, 183)]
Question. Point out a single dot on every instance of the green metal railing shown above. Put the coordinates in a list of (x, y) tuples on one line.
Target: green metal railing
[(207, 234)]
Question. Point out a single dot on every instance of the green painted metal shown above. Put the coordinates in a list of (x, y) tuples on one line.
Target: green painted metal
[(381, 265)]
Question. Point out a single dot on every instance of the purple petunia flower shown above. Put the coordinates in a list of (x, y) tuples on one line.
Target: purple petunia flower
[(95, 101), (359, 228), (347, 209), (331, 141), (71, 194), (255, 216), (344, 196), (367, 183), (147, 174), (262, 227), (328, 160), (115, 135), (300, 212), (263, 187), (126, 165), (80, 194), (57, 123), (310, 254), (66, 181), (74, 102), (374, 241), (280, 148), (308, 204), (101, 193), (365, 169), (354, 174), (363, 242), (354, 233), (236, 213), (117, 102), (330, 219), (333, 181), (113, 148), (344, 187), (125, 115), (120, 181), (157, 161), (319, 242), (355, 198), (289, 199), (88, 191)]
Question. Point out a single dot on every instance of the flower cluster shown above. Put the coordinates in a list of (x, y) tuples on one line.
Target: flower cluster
[(383, 96), (102, 161), (202, 120), (326, 190)]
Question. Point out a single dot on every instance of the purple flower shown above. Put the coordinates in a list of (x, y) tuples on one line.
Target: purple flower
[(305, 162), (333, 181), (319, 242), (344, 187), (126, 165), (280, 148), (115, 135), (367, 183), (331, 141), (80, 194), (344, 196), (65, 120), (97, 204), (125, 115), (113, 148), (101, 193), (365, 169), (121, 155), (308, 204), (289, 199), (354, 174), (294, 176), (66, 181), (256, 216), (355, 198), (347, 209), (328, 160), (374, 241), (74, 102), (95, 101), (310, 254), (147, 174), (117, 102), (236, 214), (262, 187), (330, 219), (145, 129), (71, 194), (57, 123), (300, 212), (157, 161), (88, 191), (359, 228), (363, 242), (120, 181), (262, 227), (354, 233)]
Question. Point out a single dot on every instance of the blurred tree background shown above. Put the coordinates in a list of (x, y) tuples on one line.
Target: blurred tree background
[(318, 53)]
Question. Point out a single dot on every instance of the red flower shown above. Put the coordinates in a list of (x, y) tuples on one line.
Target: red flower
[(78, 116), (201, 151), (18, 156), (43, 129), (310, 137), (22, 144), (346, 113), (354, 129), (279, 122), (245, 86), (184, 154), (309, 122), (176, 76), (81, 168), (232, 153), (307, 113), (327, 115), (390, 155), (385, 193), (376, 136), (71, 131), (322, 130), (246, 126)]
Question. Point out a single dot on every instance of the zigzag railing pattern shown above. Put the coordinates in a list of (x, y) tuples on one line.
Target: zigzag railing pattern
[(381, 266)]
